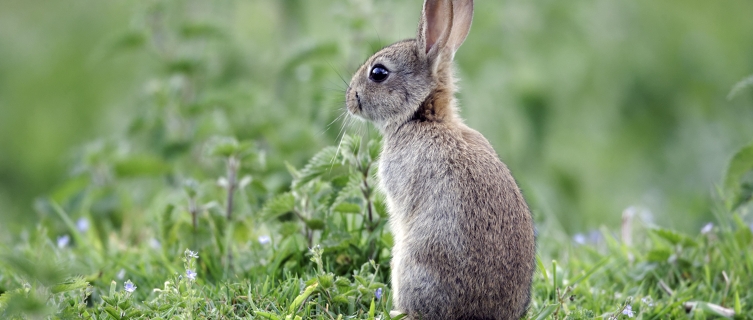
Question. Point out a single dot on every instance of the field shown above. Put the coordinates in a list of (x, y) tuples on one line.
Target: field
[(187, 159)]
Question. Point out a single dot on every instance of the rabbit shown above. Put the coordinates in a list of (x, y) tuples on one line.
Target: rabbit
[(464, 245)]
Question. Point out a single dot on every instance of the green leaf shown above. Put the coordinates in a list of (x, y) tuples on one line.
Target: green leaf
[(125, 304), (323, 162), (315, 224), (47, 271), (22, 302), (674, 237), (341, 299), (70, 188), (223, 147), (187, 66), (109, 300), (736, 183), (542, 268), (349, 146), (140, 165), (326, 280), (346, 207), (372, 309), (375, 147), (69, 285), (267, 315), (349, 191), (112, 312), (342, 282), (302, 297), (279, 205), (129, 40), (591, 271), (381, 207), (133, 313), (658, 255), (361, 280), (200, 30), (546, 312)]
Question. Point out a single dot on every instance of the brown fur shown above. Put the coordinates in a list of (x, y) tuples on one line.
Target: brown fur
[(464, 243)]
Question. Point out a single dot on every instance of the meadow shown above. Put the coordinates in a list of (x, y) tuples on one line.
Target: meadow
[(185, 159)]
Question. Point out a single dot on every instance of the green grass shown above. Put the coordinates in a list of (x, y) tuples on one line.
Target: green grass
[(320, 251)]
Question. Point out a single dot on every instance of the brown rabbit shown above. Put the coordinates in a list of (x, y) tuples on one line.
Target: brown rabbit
[(464, 237)]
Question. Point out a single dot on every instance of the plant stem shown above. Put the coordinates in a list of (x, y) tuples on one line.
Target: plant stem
[(194, 212), (366, 190), (233, 164)]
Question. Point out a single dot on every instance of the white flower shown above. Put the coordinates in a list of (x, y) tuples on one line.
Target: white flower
[(191, 254), (265, 239), (190, 274)]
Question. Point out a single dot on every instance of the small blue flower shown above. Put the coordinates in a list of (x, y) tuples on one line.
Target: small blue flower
[(378, 293), (628, 311), (63, 241), (264, 239), (129, 287), (579, 238), (707, 228), (190, 274), (82, 224), (595, 237), (155, 244), (192, 254)]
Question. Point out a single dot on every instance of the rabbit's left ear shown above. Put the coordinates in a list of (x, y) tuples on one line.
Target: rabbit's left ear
[(434, 28), (462, 14)]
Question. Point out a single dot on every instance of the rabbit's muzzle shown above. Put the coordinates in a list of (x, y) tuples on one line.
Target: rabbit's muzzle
[(353, 102)]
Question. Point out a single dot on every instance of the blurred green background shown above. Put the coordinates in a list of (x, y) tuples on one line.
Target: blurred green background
[(596, 106)]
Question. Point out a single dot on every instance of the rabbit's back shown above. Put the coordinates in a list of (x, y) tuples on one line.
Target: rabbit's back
[(464, 243)]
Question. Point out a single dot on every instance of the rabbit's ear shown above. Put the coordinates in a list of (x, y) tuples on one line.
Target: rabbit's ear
[(434, 27), (462, 14)]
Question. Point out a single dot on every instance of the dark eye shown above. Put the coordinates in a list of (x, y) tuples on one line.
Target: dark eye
[(378, 73)]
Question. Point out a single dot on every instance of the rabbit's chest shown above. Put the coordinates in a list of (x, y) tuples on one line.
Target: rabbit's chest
[(402, 181), (418, 181)]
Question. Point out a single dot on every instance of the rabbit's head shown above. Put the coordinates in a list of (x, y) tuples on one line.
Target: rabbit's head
[(412, 79)]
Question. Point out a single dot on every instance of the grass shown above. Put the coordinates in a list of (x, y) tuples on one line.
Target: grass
[(320, 251)]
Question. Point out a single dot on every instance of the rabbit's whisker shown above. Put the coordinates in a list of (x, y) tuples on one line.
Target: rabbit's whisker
[(338, 74)]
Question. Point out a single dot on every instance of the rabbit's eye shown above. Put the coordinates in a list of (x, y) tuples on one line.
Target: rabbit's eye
[(378, 73)]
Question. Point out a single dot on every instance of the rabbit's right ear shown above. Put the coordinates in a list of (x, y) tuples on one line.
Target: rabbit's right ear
[(434, 27)]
